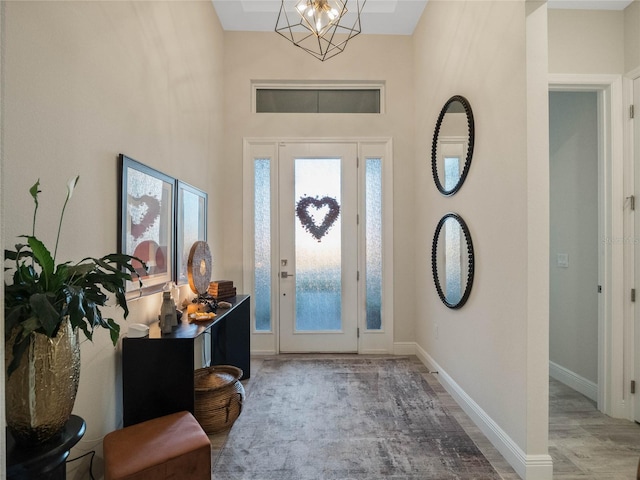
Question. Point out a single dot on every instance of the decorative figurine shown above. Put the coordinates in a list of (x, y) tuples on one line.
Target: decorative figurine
[(168, 316)]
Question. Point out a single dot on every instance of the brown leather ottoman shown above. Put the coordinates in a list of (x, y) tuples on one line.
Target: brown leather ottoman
[(171, 447)]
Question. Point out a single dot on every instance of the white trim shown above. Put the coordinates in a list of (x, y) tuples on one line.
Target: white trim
[(530, 467), (613, 367), (571, 379), (262, 353), (632, 97), (404, 348), (633, 74), (3, 440)]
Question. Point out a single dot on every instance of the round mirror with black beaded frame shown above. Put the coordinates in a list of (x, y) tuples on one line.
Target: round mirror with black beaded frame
[(452, 260), (452, 141)]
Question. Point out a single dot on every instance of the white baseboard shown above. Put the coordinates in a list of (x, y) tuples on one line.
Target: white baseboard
[(371, 351), (571, 379), (404, 348), (529, 467), (262, 353)]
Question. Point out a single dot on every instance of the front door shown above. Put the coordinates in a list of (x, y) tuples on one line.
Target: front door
[(318, 233)]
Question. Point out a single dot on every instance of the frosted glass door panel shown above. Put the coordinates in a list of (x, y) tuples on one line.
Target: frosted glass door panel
[(318, 245), (453, 261), (451, 172), (373, 242), (262, 252)]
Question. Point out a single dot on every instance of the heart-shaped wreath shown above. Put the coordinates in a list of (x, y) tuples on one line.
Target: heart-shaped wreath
[(302, 211)]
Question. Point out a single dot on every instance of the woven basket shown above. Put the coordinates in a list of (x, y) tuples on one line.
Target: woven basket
[(218, 397)]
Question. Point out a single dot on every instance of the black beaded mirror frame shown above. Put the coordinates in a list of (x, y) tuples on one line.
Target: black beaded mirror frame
[(434, 145), (470, 256)]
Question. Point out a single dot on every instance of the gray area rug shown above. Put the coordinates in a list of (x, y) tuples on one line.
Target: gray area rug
[(347, 419)]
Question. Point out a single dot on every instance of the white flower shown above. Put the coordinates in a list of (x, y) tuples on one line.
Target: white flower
[(71, 184)]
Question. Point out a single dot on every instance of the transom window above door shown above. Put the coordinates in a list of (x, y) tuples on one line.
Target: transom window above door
[(298, 97)]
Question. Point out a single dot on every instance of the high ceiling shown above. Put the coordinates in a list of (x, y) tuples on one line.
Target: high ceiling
[(394, 17)]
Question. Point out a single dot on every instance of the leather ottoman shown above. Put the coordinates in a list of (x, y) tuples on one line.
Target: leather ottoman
[(171, 447)]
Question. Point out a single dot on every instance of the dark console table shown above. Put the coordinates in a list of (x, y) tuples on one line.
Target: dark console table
[(47, 460), (158, 370)]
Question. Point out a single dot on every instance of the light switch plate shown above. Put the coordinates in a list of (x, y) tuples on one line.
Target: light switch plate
[(562, 260)]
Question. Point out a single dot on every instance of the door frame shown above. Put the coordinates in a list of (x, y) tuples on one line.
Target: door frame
[(3, 440), (614, 312), (369, 342), (633, 153)]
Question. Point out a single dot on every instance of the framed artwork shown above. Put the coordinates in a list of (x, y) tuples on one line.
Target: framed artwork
[(147, 213), (191, 225)]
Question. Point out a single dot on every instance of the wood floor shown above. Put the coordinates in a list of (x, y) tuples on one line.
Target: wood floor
[(584, 443)]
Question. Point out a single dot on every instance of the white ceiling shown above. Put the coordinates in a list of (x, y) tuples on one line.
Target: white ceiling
[(393, 17)]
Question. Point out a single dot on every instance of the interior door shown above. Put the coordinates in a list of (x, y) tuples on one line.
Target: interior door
[(318, 232)]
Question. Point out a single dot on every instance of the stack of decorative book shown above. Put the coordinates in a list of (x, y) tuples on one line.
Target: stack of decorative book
[(221, 289)]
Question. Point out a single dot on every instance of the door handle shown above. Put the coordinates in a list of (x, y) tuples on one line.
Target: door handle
[(286, 274)]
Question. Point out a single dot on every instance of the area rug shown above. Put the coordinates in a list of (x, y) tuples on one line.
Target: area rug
[(347, 419)]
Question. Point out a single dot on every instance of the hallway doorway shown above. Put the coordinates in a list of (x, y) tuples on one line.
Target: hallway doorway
[(614, 315), (575, 308)]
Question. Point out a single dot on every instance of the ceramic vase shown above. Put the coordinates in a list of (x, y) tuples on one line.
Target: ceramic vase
[(41, 392)]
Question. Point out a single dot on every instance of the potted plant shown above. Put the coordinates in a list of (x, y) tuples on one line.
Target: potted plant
[(45, 305)]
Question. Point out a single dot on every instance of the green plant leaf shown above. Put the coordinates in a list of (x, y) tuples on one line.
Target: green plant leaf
[(42, 258), (76, 273), (94, 293), (91, 312), (114, 269), (87, 332), (125, 261), (114, 330), (48, 317), (59, 279), (75, 308), (34, 191), (43, 294), (18, 254), (26, 279)]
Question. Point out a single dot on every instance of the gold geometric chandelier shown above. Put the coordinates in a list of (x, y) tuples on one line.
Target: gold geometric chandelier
[(320, 27)]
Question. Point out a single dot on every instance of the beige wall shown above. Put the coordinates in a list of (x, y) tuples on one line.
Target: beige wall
[(487, 347), (632, 37), (85, 81), (265, 56), (587, 41)]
